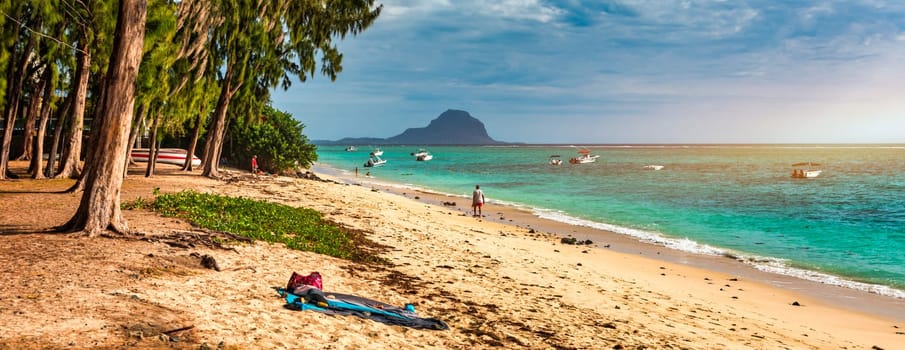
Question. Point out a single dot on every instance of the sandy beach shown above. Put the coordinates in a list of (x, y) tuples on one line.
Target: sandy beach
[(503, 281)]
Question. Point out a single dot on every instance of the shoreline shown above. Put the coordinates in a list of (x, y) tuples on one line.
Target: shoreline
[(839, 296), (493, 281)]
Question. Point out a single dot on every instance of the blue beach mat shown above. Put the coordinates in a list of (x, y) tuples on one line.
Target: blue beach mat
[(345, 304)]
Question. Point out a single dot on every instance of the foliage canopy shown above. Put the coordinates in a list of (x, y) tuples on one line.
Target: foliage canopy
[(276, 138)]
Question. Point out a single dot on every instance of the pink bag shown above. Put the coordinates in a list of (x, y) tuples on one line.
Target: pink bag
[(313, 280)]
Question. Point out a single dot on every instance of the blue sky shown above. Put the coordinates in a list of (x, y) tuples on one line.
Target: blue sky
[(647, 71)]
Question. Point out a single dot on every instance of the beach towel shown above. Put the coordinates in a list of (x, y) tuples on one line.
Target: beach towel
[(300, 295), (346, 305)]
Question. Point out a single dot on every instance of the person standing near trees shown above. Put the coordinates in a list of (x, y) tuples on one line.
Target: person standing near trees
[(254, 164), (477, 201)]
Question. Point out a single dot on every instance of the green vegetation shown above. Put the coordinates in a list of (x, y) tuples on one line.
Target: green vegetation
[(297, 228), (276, 138)]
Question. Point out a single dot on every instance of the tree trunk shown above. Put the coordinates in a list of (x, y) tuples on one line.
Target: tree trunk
[(16, 74), (99, 207), (96, 122), (133, 135), (91, 150), (217, 131), (39, 96), (31, 114), (50, 170), (38, 149), (70, 166), (194, 144), (153, 146)]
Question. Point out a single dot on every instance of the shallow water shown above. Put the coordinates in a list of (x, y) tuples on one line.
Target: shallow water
[(846, 227)]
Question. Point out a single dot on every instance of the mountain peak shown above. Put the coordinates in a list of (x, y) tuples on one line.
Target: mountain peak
[(453, 127), (454, 118)]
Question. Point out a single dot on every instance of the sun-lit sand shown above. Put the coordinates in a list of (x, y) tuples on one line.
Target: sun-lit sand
[(494, 282)]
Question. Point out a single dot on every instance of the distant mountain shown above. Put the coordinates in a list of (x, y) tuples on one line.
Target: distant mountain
[(453, 127)]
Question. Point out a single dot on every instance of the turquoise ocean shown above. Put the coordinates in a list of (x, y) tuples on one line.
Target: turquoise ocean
[(845, 227)]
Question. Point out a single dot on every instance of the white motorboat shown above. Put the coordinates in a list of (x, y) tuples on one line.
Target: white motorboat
[(351, 149), (374, 161), (377, 152), (422, 155), (584, 156), (806, 170), (165, 155), (555, 160), (652, 167)]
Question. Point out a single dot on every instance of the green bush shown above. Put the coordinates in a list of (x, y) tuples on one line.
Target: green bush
[(276, 138)]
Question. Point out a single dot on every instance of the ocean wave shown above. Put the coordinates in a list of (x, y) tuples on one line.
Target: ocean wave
[(766, 264), (682, 244), (780, 268)]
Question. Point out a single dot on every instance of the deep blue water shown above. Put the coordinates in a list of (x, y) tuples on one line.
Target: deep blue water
[(845, 227)]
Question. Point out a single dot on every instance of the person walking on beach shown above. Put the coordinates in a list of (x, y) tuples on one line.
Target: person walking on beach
[(477, 201), (254, 164)]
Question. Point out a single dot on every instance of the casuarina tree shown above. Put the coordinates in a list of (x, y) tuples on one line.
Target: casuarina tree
[(99, 208), (260, 44)]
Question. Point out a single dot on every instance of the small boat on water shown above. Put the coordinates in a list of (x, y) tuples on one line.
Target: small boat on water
[(422, 155), (377, 152), (805, 170), (555, 160), (375, 161), (351, 149), (584, 156), (652, 167), (165, 155)]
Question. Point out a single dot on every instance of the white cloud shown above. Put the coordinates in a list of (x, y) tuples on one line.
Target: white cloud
[(532, 10), (403, 10), (518, 9)]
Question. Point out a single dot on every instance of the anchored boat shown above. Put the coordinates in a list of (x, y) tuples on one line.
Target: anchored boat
[(374, 161), (584, 156), (422, 155), (805, 170)]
